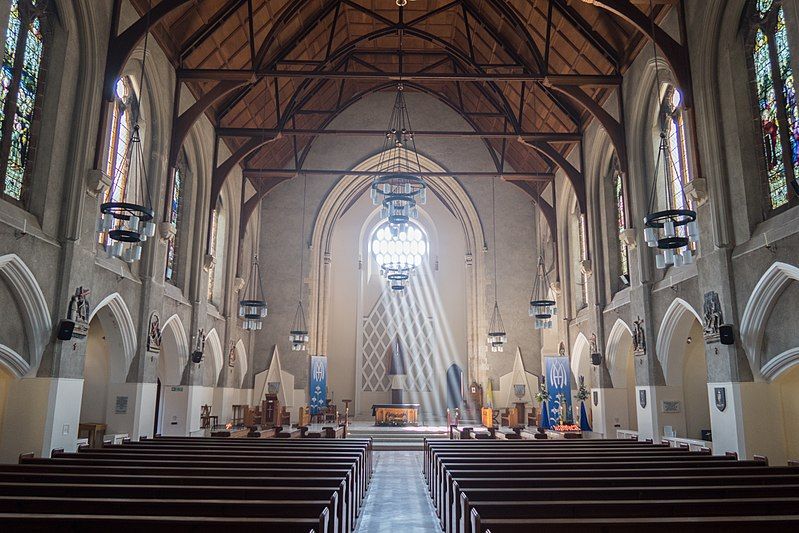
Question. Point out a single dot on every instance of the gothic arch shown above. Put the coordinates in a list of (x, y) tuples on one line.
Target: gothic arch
[(580, 344), (756, 315), (335, 204), (120, 333), (217, 358), (174, 365), (676, 321), (241, 363), (620, 337), (36, 314)]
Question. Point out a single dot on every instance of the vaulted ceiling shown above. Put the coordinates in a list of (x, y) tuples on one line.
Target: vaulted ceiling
[(288, 67)]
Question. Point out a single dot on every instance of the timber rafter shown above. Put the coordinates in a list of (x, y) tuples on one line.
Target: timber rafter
[(504, 66)]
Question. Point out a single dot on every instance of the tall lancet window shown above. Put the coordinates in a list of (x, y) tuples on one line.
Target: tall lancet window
[(677, 141), (172, 250), (621, 219), (775, 97), (24, 50), (218, 250), (577, 254)]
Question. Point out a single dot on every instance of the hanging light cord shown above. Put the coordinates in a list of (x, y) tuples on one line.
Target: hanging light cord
[(494, 231), (302, 234)]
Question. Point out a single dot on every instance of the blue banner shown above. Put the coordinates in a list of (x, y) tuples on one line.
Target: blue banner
[(317, 384), (559, 388)]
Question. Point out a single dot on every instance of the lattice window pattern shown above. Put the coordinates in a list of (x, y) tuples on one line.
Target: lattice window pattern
[(389, 318)]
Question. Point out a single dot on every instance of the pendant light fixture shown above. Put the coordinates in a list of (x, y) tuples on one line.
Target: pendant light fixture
[(125, 225), (542, 307), (298, 335), (399, 188), (252, 308), (671, 230), (497, 338)]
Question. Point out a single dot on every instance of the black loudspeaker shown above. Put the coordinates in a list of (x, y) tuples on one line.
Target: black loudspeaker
[(596, 359), (196, 356), (726, 334), (65, 329)]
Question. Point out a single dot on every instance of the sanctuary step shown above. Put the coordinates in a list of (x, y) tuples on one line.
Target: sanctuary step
[(397, 439)]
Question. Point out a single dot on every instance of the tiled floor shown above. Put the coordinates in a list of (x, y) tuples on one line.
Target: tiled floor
[(397, 500)]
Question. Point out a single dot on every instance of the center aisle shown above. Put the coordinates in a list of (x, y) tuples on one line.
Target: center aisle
[(397, 499)]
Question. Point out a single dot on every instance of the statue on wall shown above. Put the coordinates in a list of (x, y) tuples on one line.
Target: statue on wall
[(79, 312), (154, 334), (639, 338), (231, 356), (711, 317), (197, 354)]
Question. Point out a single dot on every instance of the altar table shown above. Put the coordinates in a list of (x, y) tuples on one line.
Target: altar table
[(396, 414)]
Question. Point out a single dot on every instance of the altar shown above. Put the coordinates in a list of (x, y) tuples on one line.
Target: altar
[(396, 414)]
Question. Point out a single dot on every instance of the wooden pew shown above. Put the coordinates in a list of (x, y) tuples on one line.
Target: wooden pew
[(292, 454), (320, 483), (470, 498), (137, 506), (236, 484), (356, 492), (254, 496), (103, 523), (661, 524), (504, 486), (614, 509), (247, 470)]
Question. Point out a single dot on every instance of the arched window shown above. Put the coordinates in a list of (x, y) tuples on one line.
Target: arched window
[(216, 274), (577, 254), (118, 140), (172, 245), (407, 248), (621, 219), (775, 97), (20, 74), (679, 173)]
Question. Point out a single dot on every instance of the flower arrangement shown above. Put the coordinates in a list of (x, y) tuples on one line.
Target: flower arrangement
[(543, 394), (566, 427), (582, 391)]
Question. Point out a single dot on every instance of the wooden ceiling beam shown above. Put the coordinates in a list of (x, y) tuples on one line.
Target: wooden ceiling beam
[(555, 137), (121, 46), (583, 80), (205, 31), (588, 32), (675, 53), (574, 176), (274, 173)]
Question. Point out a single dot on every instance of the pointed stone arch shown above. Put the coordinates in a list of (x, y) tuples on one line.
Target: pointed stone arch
[(120, 333), (580, 343), (676, 321), (174, 366), (756, 315), (241, 365), (216, 359), (335, 204), (36, 315), (620, 339)]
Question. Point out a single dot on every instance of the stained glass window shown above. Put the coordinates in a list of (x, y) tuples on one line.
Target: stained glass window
[(678, 171), (212, 252), (775, 93), (174, 219), (581, 257), (577, 253), (621, 218), (19, 89), (119, 133)]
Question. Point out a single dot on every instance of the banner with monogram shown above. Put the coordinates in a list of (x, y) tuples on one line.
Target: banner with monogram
[(317, 385), (559, 388)]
